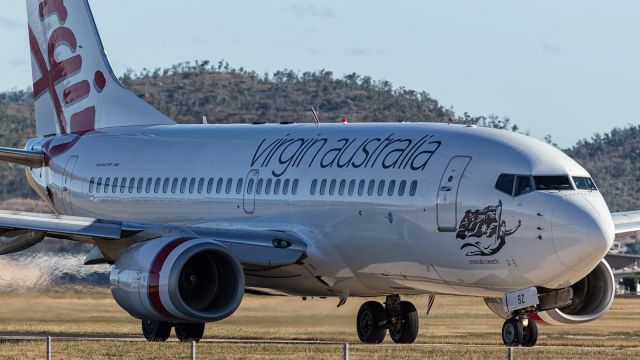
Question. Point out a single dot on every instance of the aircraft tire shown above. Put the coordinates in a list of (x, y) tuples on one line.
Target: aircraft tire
[(407, 332), (189, 332), (512, 332), (154, 330), (530, 336), (371, 322)]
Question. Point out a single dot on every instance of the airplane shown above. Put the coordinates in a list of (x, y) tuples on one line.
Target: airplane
[(192, 217)]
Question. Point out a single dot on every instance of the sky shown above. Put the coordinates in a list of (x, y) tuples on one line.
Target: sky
[(565, 68)]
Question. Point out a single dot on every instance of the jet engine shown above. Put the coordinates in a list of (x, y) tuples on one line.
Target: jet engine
[(592, 297), (178, 279), (12, 241)]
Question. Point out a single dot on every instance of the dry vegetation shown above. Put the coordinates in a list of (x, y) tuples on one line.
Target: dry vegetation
[(457, 328)]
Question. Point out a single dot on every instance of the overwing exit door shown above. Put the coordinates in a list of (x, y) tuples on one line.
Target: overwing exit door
[(448, 193)]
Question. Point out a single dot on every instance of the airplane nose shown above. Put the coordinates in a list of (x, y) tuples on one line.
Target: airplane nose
[(582, 230)]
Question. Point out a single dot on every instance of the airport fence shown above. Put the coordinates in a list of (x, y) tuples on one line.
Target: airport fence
[(50, 352)]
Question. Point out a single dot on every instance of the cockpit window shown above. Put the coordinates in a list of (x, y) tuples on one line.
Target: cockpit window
[(584, 183), (554, 182), (505, 183), (523, 184)]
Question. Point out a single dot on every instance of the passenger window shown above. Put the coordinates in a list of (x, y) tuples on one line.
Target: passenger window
[(92, 184), (267, 186), (250, 186), (392, 187), (219, 186), (147, 188), (343, 184), (239, 186), (200, 185), (294, 188), (285, 187), (276, 187), (156, 185), (140, 184), (523, 185), (352, 187), (183, 185), (413, 188), (192, 185), (381, 188), (259, 186), (165, 185), (174, 185), (99, 185), (332, 187), (505, 183), (402, 187), (210, 186), (323, 186), (229, 185), (314, 184), (361, 187), (107, 183), (114, 187), (372, 186), (123, 185)]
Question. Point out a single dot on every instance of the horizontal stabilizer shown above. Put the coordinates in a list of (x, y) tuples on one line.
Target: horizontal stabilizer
[(29, 158), (626, 222)]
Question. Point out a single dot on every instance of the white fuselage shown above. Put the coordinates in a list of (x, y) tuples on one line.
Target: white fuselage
[(343, 197)]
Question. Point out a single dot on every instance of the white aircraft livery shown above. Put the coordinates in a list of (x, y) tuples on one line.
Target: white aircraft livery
[(193, 216)]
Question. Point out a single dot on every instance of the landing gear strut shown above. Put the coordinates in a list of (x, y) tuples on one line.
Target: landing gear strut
[(519, 331), (400, 317)]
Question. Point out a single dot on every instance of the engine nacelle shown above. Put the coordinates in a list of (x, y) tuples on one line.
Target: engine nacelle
[(178, 279), (12, 241), (592, 297)]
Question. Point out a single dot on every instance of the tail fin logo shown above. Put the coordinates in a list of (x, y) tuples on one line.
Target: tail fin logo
[(54, 71)]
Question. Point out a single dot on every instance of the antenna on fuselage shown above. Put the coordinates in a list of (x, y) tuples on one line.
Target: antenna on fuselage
[(316, 119)]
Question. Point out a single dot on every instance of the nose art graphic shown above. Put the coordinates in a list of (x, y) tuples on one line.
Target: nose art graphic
[(488, 227)]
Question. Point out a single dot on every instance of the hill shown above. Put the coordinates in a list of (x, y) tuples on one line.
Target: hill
[(188, 91)]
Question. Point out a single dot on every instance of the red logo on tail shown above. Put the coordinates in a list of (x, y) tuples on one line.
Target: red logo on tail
[(57, 71)]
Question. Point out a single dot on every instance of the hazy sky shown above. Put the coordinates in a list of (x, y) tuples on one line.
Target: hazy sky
[(565, 68)]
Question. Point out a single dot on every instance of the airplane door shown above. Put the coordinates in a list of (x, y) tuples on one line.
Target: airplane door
[(67, 178), (448, 193), (249, 194)]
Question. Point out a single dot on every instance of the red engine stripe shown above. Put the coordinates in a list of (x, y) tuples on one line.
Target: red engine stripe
[(154, 275)]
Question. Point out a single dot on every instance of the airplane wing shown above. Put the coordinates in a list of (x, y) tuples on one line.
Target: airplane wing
[(256, 247), (626, 222)]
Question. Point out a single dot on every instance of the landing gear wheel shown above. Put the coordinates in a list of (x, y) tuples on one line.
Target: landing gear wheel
[(154, 330), (406, 331), (530, 336), (189, 332), (371, 322), (512, 332)]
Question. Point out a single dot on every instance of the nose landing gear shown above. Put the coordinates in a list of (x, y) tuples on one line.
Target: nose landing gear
[(399, 317), (519, 331)]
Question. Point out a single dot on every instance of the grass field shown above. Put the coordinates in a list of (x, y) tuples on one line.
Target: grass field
[(458, 328)]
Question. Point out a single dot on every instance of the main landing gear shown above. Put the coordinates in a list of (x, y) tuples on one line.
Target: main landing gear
[(154, 330), (519, 330), (399, 317)]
